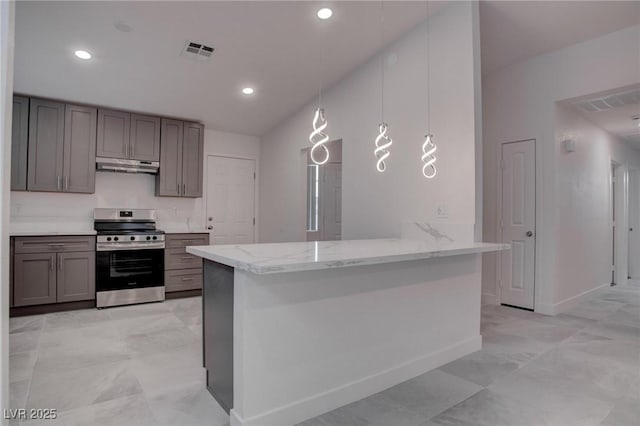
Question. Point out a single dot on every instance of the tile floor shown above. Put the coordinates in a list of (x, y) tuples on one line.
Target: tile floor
[(141, 365)]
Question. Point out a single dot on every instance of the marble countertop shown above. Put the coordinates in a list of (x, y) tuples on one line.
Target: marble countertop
[(313, 255), (52, 229)]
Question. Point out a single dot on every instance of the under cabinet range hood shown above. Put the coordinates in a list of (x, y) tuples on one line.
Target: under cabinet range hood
[(126, 166)]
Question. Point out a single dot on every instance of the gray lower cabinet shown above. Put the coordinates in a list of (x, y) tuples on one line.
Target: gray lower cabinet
[(183, 271), (128, 136), (34, 279), (181, 159), (76, 276), (62, 141), (19, 143), (53, 269)]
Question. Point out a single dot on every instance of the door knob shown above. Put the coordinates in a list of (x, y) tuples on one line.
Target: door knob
[(209, 227), (529, 234)]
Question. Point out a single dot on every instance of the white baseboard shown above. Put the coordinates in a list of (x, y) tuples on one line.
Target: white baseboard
[(568, 303), (489, 299), (318, 404)]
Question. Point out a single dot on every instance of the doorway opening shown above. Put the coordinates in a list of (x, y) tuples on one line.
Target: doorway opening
[(324, 196)]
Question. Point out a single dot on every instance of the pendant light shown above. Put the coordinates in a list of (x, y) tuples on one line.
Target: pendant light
[(382, 142), (319, 152), (429, 148)]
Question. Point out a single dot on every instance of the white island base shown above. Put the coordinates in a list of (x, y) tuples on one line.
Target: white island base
[(308, 341)]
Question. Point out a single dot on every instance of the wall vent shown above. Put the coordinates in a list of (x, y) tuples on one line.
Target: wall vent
[(611, 101), (196, 50)]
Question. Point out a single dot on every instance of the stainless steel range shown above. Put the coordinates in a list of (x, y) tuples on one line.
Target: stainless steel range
[(129, 257)]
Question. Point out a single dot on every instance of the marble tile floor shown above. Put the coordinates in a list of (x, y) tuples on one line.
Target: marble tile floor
[(125, 366), (579, 368), (141, 365)]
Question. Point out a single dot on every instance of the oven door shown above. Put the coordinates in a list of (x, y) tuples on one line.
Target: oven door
[(127, 269)]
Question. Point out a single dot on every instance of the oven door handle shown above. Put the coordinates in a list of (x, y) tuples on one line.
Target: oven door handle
[(129, 246)]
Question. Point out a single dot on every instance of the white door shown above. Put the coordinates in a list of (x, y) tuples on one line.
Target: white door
[(230, 200), (331, 202), (634, 224), (518, 223)]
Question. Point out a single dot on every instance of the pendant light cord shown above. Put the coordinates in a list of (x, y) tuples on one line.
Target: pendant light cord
[(382, 60), (428, 70)]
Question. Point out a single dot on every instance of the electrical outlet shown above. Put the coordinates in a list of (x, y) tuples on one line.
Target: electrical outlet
[(442, 212)]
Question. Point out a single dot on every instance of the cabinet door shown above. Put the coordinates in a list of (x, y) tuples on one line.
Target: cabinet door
[(145, 138), (46, 145), (80, 149), (19, 143), (76, 276), (192, 153), (169, 178), (34, 279), (113, 134)]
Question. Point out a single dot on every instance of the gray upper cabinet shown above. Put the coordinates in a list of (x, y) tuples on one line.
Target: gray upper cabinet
[(114, 129), (46, 145), (19, 143), (79, 168), (192, 156), (181, 157), (128, 136), (169, 178), (145, 138), (62, 147)]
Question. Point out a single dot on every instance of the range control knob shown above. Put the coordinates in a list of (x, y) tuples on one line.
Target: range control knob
[(132, 238), (115, 238), (155, 238), (148, 238), (108, 238)]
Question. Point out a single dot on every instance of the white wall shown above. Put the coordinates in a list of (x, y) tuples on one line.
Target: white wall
[(127, 190), (518, 104), (7, 10), (584, 240), (375, 204)]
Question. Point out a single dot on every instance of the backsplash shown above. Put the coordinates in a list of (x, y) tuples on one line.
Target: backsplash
[(116, 190)]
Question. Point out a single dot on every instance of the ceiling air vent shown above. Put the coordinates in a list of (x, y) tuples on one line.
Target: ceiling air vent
[(197, 50), (610, 101)]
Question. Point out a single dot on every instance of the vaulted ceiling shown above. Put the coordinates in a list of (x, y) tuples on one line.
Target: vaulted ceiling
[(275, 47)]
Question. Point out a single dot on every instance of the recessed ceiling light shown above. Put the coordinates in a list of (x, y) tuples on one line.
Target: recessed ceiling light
[(83, 54), (325, 13), (248, 90)]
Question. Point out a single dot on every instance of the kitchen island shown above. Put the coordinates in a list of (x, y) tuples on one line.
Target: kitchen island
[(293, 330)]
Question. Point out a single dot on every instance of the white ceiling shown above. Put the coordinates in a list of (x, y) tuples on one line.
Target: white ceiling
[(273, 46), (614, 116), (512, 31)]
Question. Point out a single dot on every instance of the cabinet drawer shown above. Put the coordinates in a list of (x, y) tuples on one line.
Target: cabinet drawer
[(54, 244), (183, 279), (183, 240), (177, 258)]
